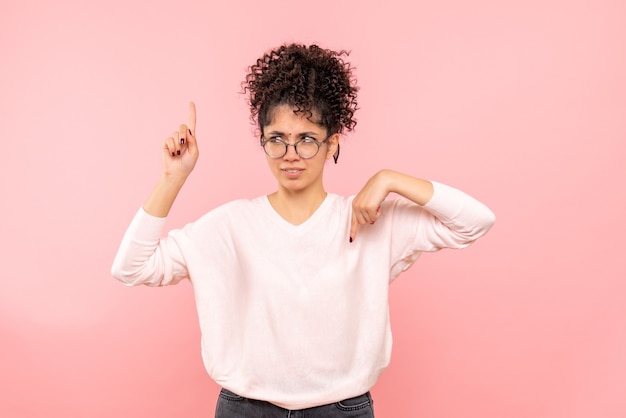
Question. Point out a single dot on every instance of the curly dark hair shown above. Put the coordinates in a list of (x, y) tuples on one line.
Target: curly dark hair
[(309, 78)]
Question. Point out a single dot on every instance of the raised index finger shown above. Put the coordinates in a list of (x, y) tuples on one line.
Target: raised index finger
[(192, 118)]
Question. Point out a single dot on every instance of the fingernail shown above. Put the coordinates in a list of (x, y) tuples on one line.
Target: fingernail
[(182, 141), (178, 152), (189, 131), (350, 239), (173, 154)]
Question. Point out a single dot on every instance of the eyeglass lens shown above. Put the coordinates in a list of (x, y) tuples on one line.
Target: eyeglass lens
[(278, 148)]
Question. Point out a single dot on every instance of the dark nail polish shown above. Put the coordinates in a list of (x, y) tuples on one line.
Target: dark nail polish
[(189, 131), (350, 239), (173, 154), (182, 141), (178, 152)]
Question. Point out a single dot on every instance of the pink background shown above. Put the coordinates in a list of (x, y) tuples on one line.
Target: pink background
[(522, 104)]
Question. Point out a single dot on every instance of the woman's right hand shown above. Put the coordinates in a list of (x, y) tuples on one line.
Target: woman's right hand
[(180, 153), (180, 150)]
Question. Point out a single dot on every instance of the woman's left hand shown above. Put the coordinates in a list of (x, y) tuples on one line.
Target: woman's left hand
[(366, 204)]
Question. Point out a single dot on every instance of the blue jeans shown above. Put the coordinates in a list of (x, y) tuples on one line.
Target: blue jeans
[(231, 405)]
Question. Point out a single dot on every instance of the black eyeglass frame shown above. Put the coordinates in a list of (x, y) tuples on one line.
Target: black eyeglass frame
[(295, 147)]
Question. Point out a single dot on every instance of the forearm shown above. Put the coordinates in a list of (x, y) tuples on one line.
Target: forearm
[(163, 195), (465, 218), (417, 190), (145, 258)]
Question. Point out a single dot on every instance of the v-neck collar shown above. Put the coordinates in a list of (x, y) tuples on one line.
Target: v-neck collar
[(311, 220)]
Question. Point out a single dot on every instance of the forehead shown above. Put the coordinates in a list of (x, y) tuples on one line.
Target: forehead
[(284, 117)]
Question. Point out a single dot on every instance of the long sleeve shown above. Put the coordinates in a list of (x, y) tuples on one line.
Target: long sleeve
[(145, 258), (451, 219), (462, 219)]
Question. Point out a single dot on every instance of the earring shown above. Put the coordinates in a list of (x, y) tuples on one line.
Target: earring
[(336, 156)]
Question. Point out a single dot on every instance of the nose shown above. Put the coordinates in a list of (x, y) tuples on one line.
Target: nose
[(291, 153)]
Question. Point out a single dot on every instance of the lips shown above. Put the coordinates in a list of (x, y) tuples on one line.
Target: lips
[(292, 172)]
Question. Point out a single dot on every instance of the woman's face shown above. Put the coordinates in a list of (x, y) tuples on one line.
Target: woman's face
[(294, 173)]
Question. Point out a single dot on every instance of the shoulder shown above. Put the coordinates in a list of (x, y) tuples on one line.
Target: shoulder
[(390, 204), (241, 205), (336, 199), (228, 213), (339, 203)]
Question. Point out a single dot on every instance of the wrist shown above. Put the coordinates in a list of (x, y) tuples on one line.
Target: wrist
[(173, 180), (388, 179), (415, 189)]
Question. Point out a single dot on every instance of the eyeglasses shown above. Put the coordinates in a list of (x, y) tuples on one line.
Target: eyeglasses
[(307, 147)]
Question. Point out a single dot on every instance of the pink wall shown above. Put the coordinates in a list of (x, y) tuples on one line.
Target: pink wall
[(521, 104)]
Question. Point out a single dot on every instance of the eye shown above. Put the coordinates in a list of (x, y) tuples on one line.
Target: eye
[(307, 140), (275, 140)]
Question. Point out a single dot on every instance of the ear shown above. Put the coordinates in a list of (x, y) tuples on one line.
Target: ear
[(333, 146)]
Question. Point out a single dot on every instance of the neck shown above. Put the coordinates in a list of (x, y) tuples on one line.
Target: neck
[(296, 207)]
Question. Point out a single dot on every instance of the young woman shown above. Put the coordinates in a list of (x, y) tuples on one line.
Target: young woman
[(291, 287)]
